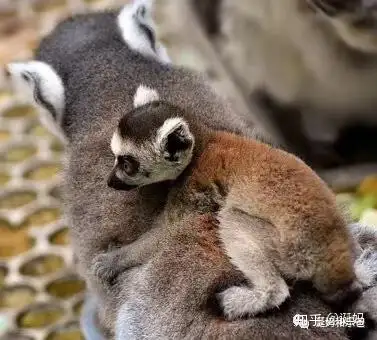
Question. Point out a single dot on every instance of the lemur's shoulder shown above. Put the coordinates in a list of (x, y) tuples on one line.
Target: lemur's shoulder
[(227, 154), (231, 161)]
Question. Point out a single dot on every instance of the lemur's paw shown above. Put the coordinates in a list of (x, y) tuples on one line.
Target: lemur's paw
[(105, 268), (278, 293), (237, 302), (366, 267)]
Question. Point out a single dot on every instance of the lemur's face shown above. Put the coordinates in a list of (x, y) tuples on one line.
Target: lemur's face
[(355, 21), (149, 147), (159, 159)]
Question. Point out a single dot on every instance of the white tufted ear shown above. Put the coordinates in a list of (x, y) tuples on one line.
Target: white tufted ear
[(38, 83), (145, 95), (138, 29), (174, 139), (134, 21)]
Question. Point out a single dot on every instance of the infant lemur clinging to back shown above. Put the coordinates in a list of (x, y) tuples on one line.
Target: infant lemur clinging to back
[(238, 180)]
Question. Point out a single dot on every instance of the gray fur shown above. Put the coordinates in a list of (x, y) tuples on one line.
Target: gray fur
[(171, 297), (367, 305), (366, 263), (366, 269), (141, 318), (246, 241), (100, 216)]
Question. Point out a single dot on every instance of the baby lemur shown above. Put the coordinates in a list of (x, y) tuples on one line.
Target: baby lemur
[(238, 180)]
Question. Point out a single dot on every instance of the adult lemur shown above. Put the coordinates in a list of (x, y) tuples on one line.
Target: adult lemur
[(311, 66), (84, 77)]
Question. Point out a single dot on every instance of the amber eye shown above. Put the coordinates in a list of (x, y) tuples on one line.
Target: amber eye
[(129, 164)]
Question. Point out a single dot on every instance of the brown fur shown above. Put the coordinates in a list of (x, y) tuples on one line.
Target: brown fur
[(277, 187)]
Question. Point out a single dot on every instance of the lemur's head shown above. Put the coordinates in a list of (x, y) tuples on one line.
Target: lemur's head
[(152, 143), (48, 80), (355, 21)]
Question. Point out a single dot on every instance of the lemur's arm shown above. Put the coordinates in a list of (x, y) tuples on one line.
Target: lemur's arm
[(107, 266)]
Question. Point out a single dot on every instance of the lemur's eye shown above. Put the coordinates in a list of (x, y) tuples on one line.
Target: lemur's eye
[(26, 76), (129, 164)]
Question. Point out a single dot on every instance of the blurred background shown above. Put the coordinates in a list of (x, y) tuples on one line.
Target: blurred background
[(40, 294)]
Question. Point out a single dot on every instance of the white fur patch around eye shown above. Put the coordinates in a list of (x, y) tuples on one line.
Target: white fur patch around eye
[(120, 146), (39, 84), (168, 127), (131, 17), (117, 144), (145, 95)]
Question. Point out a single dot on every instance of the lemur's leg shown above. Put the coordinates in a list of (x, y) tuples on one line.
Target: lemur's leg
[(241, 237), (107, 266), (237, 302)]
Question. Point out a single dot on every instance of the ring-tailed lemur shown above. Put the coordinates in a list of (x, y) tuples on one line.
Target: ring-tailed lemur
[(311, 69), (85, 74), (83, 79), (244, 180)]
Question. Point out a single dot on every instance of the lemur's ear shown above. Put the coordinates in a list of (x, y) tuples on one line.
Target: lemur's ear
[(174, 139), (138, 29), (40, 85), (145, 95)]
